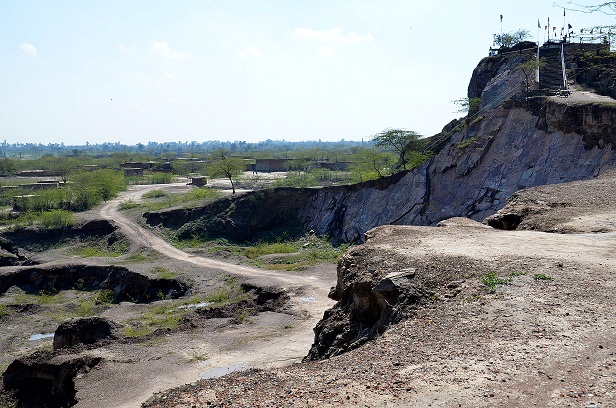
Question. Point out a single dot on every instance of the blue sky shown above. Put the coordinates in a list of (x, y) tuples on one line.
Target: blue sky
[(136, 71)]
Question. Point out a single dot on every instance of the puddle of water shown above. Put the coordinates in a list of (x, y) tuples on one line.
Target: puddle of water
[(40, 336), (195, 305), (220, 371), (308, 299)]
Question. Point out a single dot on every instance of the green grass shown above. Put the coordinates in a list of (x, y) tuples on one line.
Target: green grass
[(154, 194), (136, 257), (491, 280), (163, 273), (4, 311), (296, 254), (193, 196), (94, 248), (128, 204), (49, 297), (517, 273), (261, 249), (541, 276), (85, 308), (57, 219), (104, 297), (465, 143)]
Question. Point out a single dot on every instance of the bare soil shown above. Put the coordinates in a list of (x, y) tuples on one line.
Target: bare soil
[(544, 337), (131, 371)]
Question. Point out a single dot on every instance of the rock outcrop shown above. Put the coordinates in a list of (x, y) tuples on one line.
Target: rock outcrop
[(125, 284), (378, 285), (86, 331), (45, 379)]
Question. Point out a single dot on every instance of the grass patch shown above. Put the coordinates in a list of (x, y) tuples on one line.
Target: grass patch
[(192, 197), (94, 248), (128, 204), (465, 143), (517, 273), (491, 280), (136, 257), (295, 254), (4, 311), (541, 276), (49, 297), (154, 194), (85, 308), (104, 297), (163, 273), (273, 248)]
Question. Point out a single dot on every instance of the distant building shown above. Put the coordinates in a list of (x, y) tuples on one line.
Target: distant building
[(133, 172), (198, 181)]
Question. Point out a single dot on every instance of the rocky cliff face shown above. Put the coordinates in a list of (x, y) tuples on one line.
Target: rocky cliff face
[(523, 143), (515, 142)]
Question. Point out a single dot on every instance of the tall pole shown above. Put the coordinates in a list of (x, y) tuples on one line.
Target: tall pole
[(537, 72), (564, 22)]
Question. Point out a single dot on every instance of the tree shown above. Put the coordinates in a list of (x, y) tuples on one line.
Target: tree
[(529, 67), (400, 140), (369, 163), (227, 167), (512, 38)]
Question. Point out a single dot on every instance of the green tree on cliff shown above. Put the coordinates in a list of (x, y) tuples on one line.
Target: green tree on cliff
[(400, 140), (512, 38)]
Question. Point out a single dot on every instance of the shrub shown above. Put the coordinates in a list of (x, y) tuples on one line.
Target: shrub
[(161, 178), (154, 194), (57, 219)]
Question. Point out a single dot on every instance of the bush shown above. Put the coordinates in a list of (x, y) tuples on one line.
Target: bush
[(154, 194), (58, 219), (161, 178)]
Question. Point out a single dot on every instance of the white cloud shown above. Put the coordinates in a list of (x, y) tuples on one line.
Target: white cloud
[(126, 48), (325, 51), (171, 77), (29, 49), (335, 35), (253, 52), (163, 50)]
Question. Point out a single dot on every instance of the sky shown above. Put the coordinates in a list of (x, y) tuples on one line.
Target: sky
[(135, 71)]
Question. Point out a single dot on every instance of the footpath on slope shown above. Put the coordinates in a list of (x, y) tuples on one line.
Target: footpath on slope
[(545, 336)]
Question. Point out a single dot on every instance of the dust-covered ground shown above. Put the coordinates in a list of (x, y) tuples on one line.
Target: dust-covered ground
[(133, 369), (544, 335)]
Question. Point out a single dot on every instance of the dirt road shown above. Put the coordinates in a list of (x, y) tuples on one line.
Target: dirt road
[(135, 372)]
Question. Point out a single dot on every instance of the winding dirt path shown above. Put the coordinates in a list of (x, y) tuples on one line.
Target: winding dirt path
[(136, 372), (148, 239)]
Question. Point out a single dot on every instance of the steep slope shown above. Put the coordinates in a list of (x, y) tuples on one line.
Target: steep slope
[(523, 143)]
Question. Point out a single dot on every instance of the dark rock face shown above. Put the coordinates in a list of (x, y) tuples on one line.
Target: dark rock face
[(125, 284), (46, 380), (89, 330), (10, 255), (239, 218)]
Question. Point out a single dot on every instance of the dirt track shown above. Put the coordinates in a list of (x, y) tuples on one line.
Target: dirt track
[(135, 372)]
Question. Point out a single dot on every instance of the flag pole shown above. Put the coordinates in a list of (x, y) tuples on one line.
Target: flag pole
[(538, 30)]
